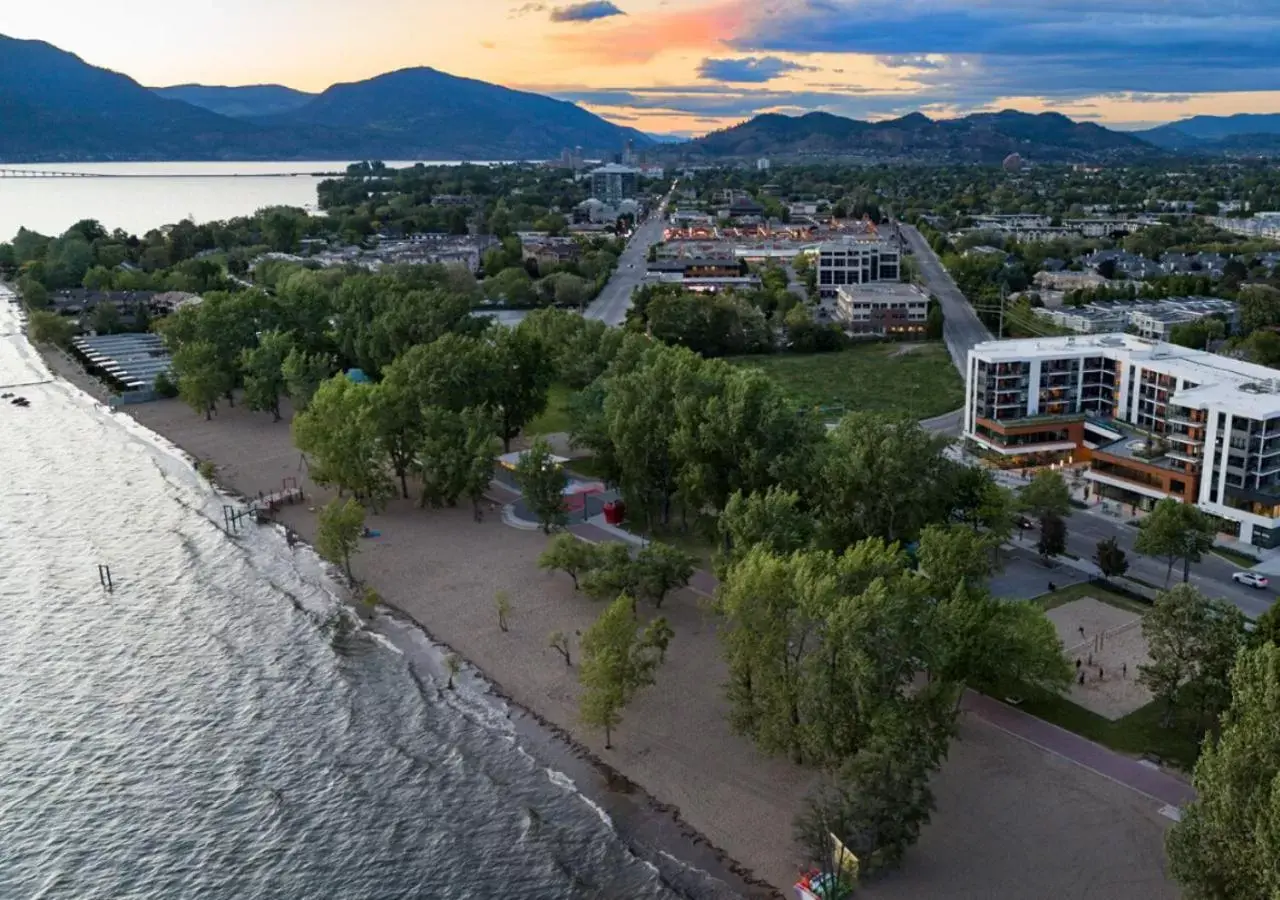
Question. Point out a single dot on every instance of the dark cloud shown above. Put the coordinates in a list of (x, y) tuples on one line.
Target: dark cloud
[(585, 12), (749, 69), (1072, 48)]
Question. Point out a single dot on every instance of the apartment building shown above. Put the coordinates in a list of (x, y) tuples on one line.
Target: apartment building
[(1153, 420), (893, 310), (1151, 319), (855, 261), (613, 183)]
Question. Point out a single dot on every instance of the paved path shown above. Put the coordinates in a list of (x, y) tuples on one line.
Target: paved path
[(1154, 783), (1150, 782)]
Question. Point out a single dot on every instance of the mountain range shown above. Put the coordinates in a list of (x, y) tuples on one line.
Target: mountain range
[(981, 137), (1243, 133), (56, 107)]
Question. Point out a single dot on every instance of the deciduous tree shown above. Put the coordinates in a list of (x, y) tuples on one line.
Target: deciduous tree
[(1110, 558), (1176, 531), (202, 376), (340, 437), (567, 554), (263, 368), (1046, 494), (617, 661), (1224, 846), (339, 530), (542, 481), (303, 374), (662, 569), (1053, 536)]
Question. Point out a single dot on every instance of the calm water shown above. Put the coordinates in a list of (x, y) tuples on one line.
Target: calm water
[(170, 193), (210, 731)]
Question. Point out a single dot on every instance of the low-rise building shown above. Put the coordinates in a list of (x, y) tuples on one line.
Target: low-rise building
[(701, 273), (1151, 319), (1152, 420), (888, 309)]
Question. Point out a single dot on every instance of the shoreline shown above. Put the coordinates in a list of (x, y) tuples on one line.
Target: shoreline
[(615, 793), (1005, 807)]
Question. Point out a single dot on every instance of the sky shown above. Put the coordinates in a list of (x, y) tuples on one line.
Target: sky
[(692, 66)]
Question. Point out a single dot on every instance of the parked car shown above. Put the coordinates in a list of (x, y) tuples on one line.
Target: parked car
[(1251, 579)]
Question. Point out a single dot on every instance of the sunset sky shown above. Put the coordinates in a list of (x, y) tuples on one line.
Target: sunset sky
[(690, 66)]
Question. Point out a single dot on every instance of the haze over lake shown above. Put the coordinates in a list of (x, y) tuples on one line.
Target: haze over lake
[(169, 192)]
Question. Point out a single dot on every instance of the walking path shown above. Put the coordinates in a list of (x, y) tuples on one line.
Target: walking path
[(1147, 780)]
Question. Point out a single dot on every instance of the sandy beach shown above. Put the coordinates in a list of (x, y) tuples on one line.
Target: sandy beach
[(1012, 820)]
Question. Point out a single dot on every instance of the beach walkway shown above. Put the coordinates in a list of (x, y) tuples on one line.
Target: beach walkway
[(1143, 778)]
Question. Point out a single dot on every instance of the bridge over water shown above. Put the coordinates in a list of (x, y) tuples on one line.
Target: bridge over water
[(48, 173)]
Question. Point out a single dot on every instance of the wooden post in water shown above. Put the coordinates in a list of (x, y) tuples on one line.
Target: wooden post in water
[(104, 577)]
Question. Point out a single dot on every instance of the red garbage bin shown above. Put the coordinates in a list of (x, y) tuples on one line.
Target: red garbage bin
[(613, 512)]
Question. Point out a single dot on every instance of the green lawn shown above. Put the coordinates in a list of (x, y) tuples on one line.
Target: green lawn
[(916, 379), (555, 417), (1240, 558)]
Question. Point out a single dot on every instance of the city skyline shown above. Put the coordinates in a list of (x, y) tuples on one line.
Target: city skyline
[(691, 66)]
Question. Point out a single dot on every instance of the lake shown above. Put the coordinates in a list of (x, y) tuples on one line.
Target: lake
[(157, 193)]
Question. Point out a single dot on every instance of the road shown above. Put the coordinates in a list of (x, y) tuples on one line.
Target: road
[(1212, 575), (614, 301), (963, 328)]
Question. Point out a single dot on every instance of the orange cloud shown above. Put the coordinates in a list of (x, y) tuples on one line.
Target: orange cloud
[(640, 40)]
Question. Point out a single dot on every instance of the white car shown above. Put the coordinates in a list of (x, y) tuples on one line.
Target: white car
[(1251, 579)]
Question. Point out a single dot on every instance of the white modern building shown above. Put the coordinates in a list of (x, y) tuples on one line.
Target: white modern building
[(1153, 420), (856, 261)]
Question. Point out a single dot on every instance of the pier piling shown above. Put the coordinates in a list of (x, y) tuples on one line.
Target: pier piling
[(104, 577)]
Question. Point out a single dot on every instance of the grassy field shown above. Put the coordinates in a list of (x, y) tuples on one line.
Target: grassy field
[(555, 417), (916, 379)]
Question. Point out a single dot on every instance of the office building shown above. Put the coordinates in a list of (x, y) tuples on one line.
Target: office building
[(887, 309), (854, 261), (1153, 420)]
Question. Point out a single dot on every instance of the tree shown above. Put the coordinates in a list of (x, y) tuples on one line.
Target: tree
[(1053, 536), (339, 530), (661, 569), (51, 328), (613, 571), (1266, 628), (1224, 846), (774, 519), (881, 477), (542, 481), (502, 603), (879, 799), (523, 373), (954, 556), (1110, 559), (617, 661), (452, 665), (559, 642), (303, 374), (1192, 641), (202, 376), (263, 368), (1259, 307), (1176, 531), (1263, 348), (570, 555), (339, 435), (1047, 493), (106, 318)]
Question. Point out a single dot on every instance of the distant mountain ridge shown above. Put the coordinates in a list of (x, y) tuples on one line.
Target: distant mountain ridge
[(1238, 133), (56, 107), (244, 102), (981, 137)]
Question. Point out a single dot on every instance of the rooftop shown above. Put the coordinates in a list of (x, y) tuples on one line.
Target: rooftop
[(1244, 388)]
